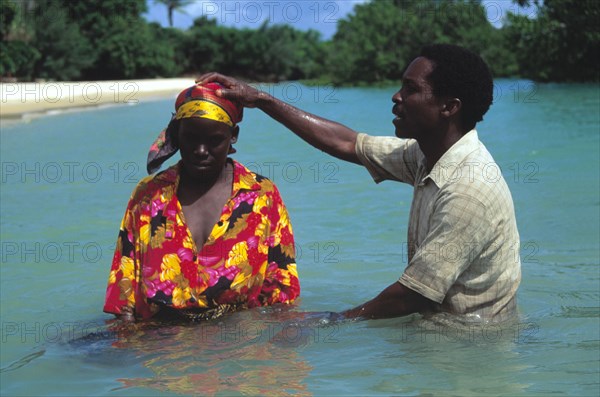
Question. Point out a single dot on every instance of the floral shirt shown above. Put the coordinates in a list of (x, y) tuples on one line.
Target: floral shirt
[(247, 261)]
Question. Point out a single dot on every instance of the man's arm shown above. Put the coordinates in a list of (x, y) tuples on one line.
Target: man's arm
[(394, 301), (326, 135)]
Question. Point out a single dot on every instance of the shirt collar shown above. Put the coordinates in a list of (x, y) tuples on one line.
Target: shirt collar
[(243, 179), (444, 169), (169, 176)]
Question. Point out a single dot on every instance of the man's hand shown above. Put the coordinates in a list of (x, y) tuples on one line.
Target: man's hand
[(329, 136), (394, 301), (234, 90)]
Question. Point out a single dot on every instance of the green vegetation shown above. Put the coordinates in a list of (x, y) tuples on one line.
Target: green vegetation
[(91, 40), (381, 37), (561, 44), (270, 53)]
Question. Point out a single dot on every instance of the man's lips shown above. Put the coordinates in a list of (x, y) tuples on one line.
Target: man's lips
[(399, 117), (397, 113)]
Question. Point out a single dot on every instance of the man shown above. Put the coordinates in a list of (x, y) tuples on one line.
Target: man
[(462, 235)]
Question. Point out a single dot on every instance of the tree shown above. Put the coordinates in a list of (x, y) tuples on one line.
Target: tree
[(16, 55), (206, 45), (125, 45), (561, 44), (270, 53), (376, 42), (174, 5), (64, 51)]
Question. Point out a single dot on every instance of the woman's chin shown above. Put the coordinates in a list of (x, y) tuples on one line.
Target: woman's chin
[(202, 173)]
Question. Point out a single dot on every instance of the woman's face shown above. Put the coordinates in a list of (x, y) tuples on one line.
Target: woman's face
[(204, 145)]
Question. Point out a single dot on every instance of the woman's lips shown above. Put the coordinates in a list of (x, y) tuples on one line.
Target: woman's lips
[(202, 164)]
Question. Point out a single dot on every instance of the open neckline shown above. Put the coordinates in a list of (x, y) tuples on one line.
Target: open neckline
[(215, 225)]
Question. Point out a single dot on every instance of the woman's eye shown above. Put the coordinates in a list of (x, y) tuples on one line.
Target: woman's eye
[(187, 136), (216, 140)]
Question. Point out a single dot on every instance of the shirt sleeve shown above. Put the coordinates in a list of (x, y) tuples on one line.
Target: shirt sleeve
[(124, 273), (459, 231), (281, 284), (389, 158)]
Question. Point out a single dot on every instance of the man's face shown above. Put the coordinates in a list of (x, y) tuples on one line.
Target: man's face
[(204, 145), (415, 106)]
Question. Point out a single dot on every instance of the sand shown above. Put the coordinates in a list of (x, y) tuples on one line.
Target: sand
[(19, 100)]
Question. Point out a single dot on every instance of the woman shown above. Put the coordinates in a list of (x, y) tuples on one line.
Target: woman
[(205, 236)]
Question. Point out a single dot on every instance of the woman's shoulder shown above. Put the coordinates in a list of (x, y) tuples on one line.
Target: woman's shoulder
[(247, 178), (148, 186)]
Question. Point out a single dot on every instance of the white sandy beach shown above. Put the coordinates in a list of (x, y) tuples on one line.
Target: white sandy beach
[(21, 99)]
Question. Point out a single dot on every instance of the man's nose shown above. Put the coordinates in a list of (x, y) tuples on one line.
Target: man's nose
[(397, 98)]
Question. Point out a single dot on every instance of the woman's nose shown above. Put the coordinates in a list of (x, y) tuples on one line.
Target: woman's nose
[(201, 150)]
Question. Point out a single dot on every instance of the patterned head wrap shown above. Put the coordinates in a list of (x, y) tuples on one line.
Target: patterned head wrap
[(196, 101)]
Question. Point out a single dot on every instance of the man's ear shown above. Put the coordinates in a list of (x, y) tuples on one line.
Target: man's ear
[(451, 107), (235, 131)]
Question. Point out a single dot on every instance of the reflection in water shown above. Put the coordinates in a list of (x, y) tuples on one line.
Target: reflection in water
[(23, 361), (251, 353), (262, 352)]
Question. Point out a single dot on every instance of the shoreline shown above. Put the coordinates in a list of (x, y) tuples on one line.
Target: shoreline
[(20, 101)]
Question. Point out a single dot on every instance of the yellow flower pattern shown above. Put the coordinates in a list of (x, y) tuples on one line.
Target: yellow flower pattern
[(170, 267), (238, 254), (247, 261)]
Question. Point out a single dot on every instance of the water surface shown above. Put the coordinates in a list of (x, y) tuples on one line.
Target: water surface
[(66, 179)]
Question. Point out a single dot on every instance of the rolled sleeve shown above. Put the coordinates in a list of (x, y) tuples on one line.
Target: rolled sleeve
[(389, 158)]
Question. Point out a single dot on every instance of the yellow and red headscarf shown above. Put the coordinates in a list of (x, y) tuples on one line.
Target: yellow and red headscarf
[(196, 101)]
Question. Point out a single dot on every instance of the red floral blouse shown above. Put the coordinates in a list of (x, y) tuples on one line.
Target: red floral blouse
[(247, 261)]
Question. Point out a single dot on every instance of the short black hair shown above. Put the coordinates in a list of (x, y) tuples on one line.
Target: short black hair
[(460, 73)]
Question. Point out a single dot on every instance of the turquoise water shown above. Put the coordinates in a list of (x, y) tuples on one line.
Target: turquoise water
[(65, 182)]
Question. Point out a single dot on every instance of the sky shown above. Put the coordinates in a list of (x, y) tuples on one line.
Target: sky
[(321, 15)]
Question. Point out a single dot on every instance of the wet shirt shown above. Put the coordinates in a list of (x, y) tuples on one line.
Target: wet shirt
[(463, 243), (247, 261)]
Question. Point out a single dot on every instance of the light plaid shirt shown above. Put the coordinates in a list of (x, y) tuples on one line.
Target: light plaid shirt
[(463, 243)]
